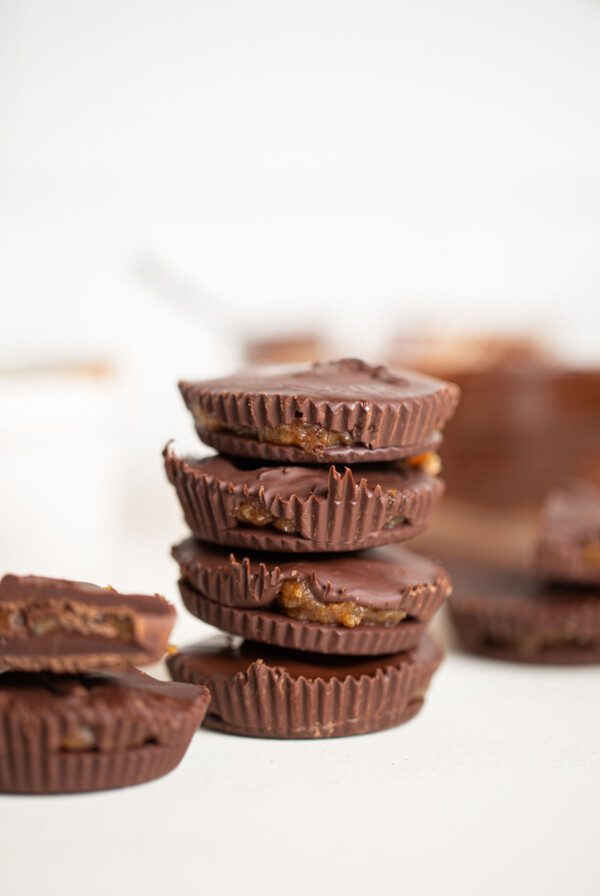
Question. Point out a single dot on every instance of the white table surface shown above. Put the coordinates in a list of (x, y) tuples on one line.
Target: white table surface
[(493, 789)]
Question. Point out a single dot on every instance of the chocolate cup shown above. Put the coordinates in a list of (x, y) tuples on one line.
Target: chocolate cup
[(67, 734), (570, 528), (376, 407), (329, 510), (388, 578), (61, 626), (259, 692), (270, 627), (508, 614), (238, 446)]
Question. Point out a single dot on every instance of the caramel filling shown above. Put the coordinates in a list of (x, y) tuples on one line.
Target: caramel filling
[(297, 601), (309, 436), (591, 553), (430, 462), (254, 512), (42, 619)]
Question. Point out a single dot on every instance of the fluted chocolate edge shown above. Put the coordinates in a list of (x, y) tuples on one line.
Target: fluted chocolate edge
[(265, 701), (24, 772), (39, 732), (372, 424), (349, 517)]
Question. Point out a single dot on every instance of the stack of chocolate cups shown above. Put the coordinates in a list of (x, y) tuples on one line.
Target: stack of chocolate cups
[(322, 471)]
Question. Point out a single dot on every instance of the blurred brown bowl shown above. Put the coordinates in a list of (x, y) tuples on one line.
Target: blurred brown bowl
[(519, 432)]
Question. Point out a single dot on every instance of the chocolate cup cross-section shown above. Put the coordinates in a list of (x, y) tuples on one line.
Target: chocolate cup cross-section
[(62, 626)]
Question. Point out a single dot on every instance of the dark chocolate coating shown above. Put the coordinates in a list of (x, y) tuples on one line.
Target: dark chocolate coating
[(260, 691), (86, 640), (329, 509), (568, 549), (378, 408), (387, 578), (70, 733), (273, 627), (509, 614)]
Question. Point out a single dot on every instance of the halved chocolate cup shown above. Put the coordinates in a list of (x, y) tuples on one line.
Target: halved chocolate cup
[(74, 733), (301, 509), (258, 691), (273, 627), (62, 626)]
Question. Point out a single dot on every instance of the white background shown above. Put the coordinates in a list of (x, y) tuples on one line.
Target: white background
[(177, 175)]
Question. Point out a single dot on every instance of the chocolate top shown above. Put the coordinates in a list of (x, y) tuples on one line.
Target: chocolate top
[(344, 381), (227, 656), (375, 406), (381, 579)]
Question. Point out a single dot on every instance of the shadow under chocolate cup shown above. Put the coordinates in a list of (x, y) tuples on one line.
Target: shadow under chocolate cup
[(344, 411), (508, 614), (93, 731), (264, 692), (309, 509), (271, 626)]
